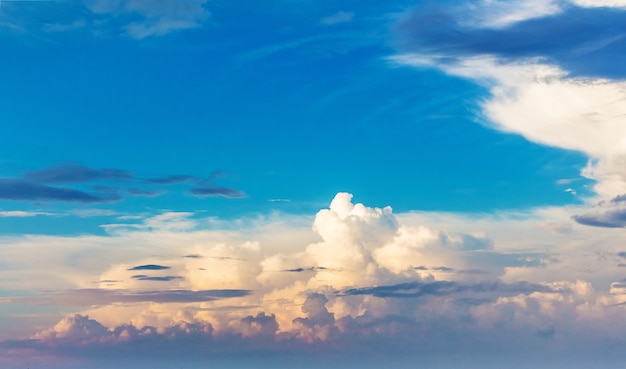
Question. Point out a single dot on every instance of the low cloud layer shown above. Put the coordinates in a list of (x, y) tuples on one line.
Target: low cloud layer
[(365, 278)]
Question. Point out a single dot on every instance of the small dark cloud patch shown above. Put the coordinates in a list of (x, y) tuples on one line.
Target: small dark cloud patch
[(622, 254), (109, 281), (443, 288), (193, 256), (142, 277), (608, 214), (217, 191), (608, 219), (149, 267), (410, 289), (450, 270), (144, 192), (172, 179), (310, 269), (96, 296)]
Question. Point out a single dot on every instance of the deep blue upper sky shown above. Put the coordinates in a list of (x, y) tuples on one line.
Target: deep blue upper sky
[(285, 105)]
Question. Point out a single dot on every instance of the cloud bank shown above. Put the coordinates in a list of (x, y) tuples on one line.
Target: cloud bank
[(365, 278)]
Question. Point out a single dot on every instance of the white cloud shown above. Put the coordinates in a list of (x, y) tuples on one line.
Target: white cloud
[(22, 214), (600, 3), (503, 13), (545, 105)]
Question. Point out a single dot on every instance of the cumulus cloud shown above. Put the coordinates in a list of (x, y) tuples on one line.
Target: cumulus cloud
[(407, 282)]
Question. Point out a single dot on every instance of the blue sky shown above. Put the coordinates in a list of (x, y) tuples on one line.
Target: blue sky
[(186, 166)]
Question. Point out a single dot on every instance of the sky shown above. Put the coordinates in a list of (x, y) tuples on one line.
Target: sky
[(349, 184)]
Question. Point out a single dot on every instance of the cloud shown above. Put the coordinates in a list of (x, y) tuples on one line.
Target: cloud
[(600, 3), (169, 278), (553, 77), (172, 179), (149, 267), (96, 297), (212, 191), (22, 214), (610, 214), (545, 106), (489, 282), (70, 173), (106, 185), (147, 18), (146, 193), (582, 41), (444, 288), (21, 190)]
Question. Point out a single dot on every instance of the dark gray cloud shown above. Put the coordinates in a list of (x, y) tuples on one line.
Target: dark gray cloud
[(108, 184), (309, 269), (144, 192), (149, 267), (70, 173), (443, 288), (23, 190), (212, 191), (95, 296), (609, 219), (584, 41), (172, 179), (608, 214), (259, 325), (143, 277)]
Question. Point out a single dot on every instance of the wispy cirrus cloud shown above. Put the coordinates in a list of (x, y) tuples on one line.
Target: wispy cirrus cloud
[(147, 18)]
